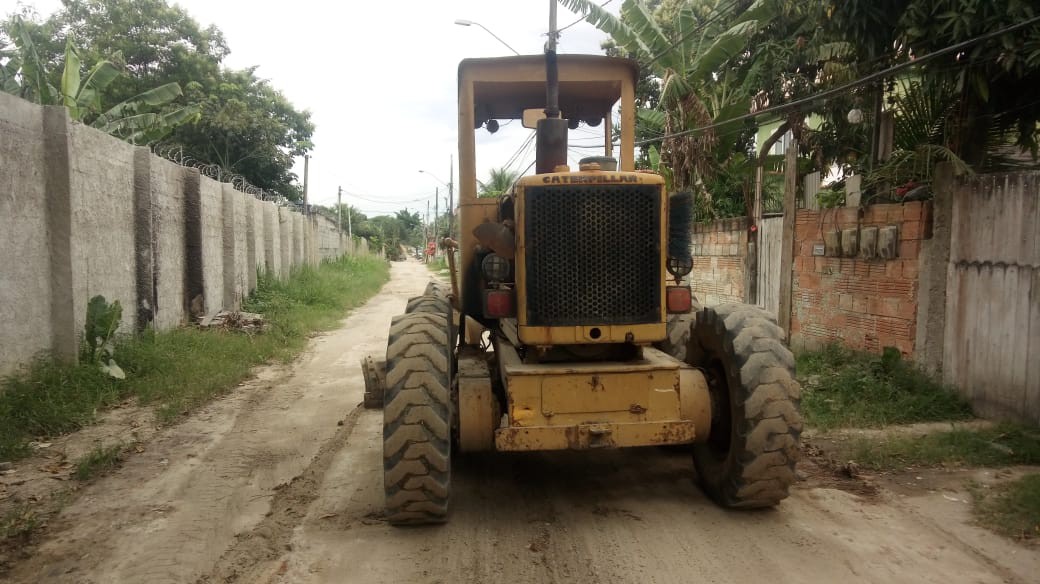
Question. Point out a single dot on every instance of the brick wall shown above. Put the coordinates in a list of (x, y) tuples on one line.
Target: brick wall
[(866, 304), (719, 251)]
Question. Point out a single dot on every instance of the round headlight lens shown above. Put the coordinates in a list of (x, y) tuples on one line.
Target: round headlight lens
[(679, 267), (495, 267)]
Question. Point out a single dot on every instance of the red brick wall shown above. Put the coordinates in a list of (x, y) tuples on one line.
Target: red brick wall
[(719, 250), (866, 304)]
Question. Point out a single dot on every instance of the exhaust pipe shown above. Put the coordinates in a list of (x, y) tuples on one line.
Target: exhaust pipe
[(551, 132)]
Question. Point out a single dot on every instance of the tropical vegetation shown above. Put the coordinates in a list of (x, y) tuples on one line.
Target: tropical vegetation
[(164, 85), (708, 64)]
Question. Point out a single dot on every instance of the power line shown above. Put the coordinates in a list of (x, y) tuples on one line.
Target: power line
[(782, 109), (580, 19)]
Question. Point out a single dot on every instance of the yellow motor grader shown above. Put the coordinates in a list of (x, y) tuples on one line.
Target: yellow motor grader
[(566, 325)]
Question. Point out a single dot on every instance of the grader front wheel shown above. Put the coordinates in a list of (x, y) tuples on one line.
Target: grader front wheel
[(417, 419), (748, 459)]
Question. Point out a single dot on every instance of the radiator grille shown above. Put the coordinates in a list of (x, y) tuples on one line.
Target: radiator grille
[(593, 254)]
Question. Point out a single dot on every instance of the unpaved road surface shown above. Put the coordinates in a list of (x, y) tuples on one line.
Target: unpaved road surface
[(281, 482)]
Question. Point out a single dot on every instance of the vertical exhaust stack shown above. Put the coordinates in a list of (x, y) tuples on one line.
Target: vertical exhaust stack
[(551, 133)]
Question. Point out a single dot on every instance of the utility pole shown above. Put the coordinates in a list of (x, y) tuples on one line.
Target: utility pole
[(436, 212), (306, 173), (339, 210), (451, 195)]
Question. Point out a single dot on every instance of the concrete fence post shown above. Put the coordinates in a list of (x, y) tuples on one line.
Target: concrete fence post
[(933, 265), (229, 195), (285, 234), (144, 247), (251, 236), (299, 240), (194, 276), (64, 332)]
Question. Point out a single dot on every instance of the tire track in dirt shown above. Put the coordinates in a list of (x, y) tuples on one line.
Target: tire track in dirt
[(251, 556)]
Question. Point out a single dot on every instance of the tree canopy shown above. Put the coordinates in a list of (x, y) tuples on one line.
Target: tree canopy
[(244, 124)]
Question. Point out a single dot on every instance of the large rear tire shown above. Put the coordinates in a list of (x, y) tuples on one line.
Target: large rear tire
[(432, 303), (749, 457), (417, 419)]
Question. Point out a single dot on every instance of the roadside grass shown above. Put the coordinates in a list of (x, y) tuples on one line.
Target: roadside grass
[(98, 461), (179, 370), (1000, 445), (1012, 508), (437, 264), (846, 388), (19, 522)]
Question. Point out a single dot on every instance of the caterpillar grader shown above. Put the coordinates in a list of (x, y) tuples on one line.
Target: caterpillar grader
[(567, 324)]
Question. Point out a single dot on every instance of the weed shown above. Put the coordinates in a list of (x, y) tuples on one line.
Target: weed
[(19, 522), (1012, 508), (996, 446), (99, 461), (437, 264), (181, 369), (845, 388)]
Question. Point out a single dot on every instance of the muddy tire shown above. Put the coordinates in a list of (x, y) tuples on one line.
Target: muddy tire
[(678, 335), (679, 332), (417, 419), (431, 303), (748, 459), (436, 289)]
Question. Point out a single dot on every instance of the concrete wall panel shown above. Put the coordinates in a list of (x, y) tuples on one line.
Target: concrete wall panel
[(102, 204), (272, 240), (212, 201), (167, 185), (25, 297), (285, 233)]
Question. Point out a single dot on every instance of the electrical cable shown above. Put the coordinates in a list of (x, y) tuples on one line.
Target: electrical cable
[(787, 107)]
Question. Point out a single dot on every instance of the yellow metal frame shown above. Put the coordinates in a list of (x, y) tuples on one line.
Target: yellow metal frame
[(653, 401), (621, 73)]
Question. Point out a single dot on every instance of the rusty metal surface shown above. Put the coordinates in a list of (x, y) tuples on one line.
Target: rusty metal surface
[(478, 409), (374, 373), (595, 435)]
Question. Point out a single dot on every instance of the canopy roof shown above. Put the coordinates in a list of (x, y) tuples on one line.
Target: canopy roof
[(504, 87)]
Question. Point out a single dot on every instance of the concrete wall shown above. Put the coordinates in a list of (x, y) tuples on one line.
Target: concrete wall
[(719, 257), (167, 191), (25, 291), (991, 342), (83, 214), (864, 303)]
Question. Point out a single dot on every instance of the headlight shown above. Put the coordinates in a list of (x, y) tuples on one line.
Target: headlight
[(679, 267), (496, 268)]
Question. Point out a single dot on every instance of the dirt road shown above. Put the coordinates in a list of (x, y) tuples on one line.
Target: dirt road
[(281, 482)]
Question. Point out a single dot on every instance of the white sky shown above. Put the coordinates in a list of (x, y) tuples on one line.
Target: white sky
[(380, 82)]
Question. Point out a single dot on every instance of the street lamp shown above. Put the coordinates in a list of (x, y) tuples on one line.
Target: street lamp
[(464, 22)]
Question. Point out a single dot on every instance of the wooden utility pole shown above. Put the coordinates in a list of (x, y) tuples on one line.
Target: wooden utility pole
[(787, 245), (436, 198)]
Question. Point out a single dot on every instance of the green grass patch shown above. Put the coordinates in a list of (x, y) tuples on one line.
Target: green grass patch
[(98, 461), (437, 264), (845, 388), (181, 369), (1001, 445), (1012, 508)]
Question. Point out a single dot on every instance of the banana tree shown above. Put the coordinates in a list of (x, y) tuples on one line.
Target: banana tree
[(143, 119), (695, 91)]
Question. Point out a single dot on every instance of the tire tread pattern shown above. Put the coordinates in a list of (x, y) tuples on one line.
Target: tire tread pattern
[(765, 406), (417, 419)]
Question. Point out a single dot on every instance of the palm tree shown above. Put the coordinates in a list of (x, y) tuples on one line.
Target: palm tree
[(500, 181)]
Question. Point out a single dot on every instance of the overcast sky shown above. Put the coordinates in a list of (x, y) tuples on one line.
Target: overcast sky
[(380, 81)]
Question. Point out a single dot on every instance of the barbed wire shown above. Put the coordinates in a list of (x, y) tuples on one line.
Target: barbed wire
[(175, 153)]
